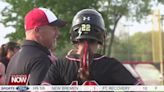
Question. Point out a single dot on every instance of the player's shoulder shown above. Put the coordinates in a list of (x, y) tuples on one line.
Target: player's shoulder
[(60, 61), (66, 61), (105, 58), (110, 60)]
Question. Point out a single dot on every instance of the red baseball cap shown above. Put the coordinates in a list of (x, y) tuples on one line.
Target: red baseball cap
[(41, 16)]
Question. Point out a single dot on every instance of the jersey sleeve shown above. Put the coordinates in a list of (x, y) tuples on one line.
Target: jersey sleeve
[(39, 69), (121, 75)]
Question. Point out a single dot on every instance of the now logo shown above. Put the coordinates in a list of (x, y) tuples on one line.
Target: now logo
[(16, 79)]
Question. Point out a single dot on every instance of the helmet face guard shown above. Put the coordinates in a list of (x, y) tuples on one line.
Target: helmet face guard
[(88, 24)]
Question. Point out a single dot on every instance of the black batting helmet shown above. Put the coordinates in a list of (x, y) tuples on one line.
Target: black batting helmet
[(88, 24)]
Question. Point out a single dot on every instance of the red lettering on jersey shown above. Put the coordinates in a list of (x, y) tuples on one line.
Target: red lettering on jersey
[(87, 83), (74, 83), (90, 83)]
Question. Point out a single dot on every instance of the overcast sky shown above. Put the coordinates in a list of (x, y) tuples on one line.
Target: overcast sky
[(4, 30)]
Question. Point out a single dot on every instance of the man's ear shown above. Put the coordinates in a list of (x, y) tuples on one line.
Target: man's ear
[(36, 33), (36, 29)]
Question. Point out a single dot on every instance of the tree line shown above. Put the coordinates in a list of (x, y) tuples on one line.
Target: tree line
[(137, 47)]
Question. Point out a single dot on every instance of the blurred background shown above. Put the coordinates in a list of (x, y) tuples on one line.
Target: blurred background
[(134, 28)]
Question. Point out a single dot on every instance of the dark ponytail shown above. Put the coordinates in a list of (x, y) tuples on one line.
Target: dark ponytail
[(8, 46), (3, 50)]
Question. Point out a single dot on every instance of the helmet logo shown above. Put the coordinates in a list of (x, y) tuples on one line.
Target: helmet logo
[(79, 32), (86, 18)]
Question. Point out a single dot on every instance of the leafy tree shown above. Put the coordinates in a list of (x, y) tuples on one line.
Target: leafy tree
[(123, 48), (112, 11), (64, 9), (142, 43), (137, 47)]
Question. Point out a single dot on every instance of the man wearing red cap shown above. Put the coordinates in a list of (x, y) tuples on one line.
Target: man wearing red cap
[(32, 61)]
